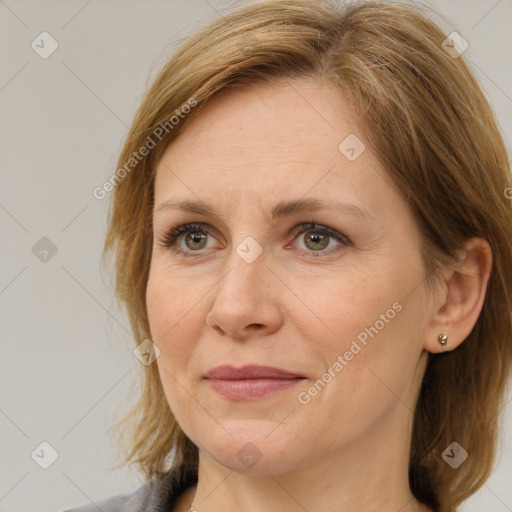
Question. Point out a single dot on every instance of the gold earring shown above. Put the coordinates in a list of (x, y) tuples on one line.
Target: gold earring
[(443, 340)]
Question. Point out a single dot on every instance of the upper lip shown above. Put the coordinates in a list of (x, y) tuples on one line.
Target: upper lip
[(249, 372)]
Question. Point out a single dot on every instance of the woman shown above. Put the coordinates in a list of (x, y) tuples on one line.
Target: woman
[(313, 241)]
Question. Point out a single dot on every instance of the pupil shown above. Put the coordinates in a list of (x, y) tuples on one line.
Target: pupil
[(318, 239), (197, 238)]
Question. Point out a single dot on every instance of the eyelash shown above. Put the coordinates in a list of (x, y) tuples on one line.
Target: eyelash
[(168, 239)]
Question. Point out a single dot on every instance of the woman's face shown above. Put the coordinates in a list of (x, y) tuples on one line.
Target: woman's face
[(342, 304)]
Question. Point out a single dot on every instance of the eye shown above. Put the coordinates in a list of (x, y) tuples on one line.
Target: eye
[(317, 238), (195, 238)]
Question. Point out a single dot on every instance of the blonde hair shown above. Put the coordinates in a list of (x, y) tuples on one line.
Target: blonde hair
[(425, 116)]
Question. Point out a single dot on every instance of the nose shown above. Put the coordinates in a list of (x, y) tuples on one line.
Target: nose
[(247, 301)]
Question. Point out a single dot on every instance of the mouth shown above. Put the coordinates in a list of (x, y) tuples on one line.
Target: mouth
[(251, 382)]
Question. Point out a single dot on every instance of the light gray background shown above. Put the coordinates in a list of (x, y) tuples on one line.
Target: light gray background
[(66, 364)]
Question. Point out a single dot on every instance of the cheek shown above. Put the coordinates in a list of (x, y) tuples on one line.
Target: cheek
[(174, 312), (159, 298), (174, 318), (172, 299), (340, 305), (367, 332), (364, 381)]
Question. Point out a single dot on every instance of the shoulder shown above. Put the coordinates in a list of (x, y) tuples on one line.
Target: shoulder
[(155, 495), (128, 502)]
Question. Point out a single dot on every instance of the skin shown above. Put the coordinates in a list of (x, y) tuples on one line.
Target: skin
[(347, 449)]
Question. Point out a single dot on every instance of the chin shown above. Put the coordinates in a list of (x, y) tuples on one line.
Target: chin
[(254, 451)]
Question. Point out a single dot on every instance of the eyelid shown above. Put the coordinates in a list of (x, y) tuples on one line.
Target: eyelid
[(314, 226), (168, 239)]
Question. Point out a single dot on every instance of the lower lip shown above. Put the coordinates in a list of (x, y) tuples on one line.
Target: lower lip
[(250, 389)]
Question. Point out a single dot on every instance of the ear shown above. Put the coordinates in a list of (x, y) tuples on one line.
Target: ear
[(458, 306)]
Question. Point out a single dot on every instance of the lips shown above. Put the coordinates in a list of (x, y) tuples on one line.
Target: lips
[(250, 382), (226, 372)]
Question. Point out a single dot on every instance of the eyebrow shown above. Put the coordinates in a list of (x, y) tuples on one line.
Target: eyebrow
[(280, 210)]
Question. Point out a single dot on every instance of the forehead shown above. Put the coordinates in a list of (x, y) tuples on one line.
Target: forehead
[(281, 118), (269, 140)]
